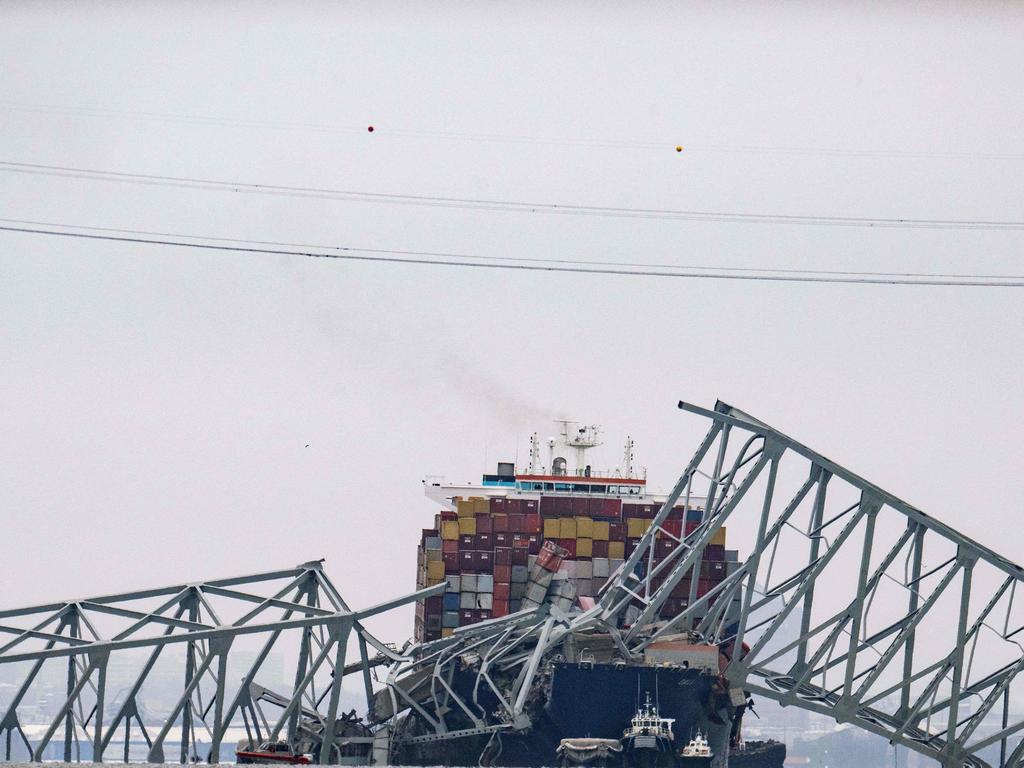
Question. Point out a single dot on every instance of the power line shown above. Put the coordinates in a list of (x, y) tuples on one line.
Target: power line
[(477, 136), (427, 259), (549, 260), (502, 205)]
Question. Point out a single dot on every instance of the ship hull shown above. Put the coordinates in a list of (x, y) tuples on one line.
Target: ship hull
[(582, 700)]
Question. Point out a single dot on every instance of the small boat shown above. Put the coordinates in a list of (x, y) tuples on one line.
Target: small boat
[(648, 742), (269, 752), (605, 753), (696, 753)]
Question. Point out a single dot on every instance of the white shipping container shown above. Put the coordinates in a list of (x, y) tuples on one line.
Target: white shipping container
[(484, 601), (485, 582), (468, 582), (454, 583), (584, 569), (535, 593), (520, 573), (517, 590), (584, 587), (467, 600), (569, 568), (600, 566)]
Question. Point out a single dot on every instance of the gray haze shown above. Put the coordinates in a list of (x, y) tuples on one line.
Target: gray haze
[(156, 402)]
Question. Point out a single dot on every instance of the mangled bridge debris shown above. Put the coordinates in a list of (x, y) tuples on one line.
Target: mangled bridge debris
[(849, 603)]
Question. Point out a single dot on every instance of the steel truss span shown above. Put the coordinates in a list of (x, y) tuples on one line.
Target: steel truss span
[(849, 603), (217, 635), (853, 603)]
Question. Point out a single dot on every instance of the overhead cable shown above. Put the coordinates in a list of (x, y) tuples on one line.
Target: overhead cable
[(427, 258), (504, 138), (511, 206)]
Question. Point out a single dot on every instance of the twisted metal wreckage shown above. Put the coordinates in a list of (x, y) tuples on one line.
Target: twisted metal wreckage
[(851, 604)]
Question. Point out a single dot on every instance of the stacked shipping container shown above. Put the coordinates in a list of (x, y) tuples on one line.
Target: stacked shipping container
[(487, 547)]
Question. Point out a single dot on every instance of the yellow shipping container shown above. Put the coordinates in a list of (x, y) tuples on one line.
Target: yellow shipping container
[(467, 526), (616, 550), (719, 537), (447, 631), (584, 547), (435, 570), (601, 530), (636, 527), (434, 556), (481, 506), (567, 528), (434, 582), (449, 529), (552, 529), (465, 507), (585, 527)]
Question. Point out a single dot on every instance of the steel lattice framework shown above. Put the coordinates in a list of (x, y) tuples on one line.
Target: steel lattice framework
[(854, 604), (206, 620), (850, 603)]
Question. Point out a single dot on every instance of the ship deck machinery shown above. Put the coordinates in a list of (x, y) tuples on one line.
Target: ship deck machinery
[(936, 676)]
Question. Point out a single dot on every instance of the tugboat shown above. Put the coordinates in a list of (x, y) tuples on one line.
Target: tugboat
[(696, 753), (648, 742)]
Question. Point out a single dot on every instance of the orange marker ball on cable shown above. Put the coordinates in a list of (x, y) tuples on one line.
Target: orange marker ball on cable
[(679, 149), (369, 128)]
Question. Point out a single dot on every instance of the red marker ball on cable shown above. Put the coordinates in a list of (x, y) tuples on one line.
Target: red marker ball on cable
[(369, 128)]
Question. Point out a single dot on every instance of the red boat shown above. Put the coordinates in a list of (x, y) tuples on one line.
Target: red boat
[(270, 752)]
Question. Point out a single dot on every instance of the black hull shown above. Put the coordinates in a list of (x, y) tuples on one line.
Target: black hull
[(585, 700)]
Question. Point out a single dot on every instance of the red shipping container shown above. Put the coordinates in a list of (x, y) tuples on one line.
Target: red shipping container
[(569, 545), (502, 589), (499, 608), (535, 540), (580, 506), (450, 545), (682, 589), (483, 615), (466, 561), (499, 523), (663, 546), (630, 510), (631, 544), (616, 532), (467, 616), (690, 526), (520, 556), (497, 506), (512, 505), (449, 514), (532, 524), (484, 561), (677, 513), (517, 523), (484, 542), (611, 508), (467, 541), (549, 506), (600, 548), (523, 544), (502, 540), (452, 562), (529, 506), (714, 552), (502, 556), (484, 524), (502, 574), (704, 586), (519, 537), (433, 605)]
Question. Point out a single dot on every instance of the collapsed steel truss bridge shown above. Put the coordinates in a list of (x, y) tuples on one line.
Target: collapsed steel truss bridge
[(849, 603)]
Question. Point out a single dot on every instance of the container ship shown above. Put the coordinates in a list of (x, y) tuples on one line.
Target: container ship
[(553, 537)]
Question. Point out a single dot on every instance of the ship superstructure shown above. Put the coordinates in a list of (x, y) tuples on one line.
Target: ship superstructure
[(486, 538)]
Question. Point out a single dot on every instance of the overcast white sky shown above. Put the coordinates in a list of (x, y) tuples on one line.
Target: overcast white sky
[(157, 401)]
